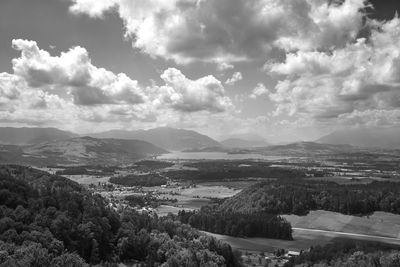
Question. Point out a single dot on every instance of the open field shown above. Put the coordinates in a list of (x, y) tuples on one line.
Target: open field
[(88, 179), (256, 244), (209, 191), (164, 210), (323, 227), (192, 198), (351, 180), (236, 184), (377, 224), (303, 239)]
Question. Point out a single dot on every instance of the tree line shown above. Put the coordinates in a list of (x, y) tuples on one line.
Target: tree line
[(152, 179), (237, 224), (288, 196)]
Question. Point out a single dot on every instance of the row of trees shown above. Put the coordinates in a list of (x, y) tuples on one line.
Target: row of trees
[(300, 196), (152, 179), (233, 173), (47, 220), (236, 224)]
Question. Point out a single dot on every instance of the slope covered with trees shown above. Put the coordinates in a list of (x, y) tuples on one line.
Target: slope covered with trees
[(236, 224), (47, 220), (301, 196)]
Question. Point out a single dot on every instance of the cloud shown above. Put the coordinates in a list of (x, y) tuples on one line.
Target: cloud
[(231, 30), (69, 89), (72, 70), (237, 76), (187, 95), (371, 118), (93, 8), (362, 76), (259, 90), (223, 66)]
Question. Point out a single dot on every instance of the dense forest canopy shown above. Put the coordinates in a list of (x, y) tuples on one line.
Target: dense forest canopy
[(152, 179), (236, 224), (47, 220), (288, 196)]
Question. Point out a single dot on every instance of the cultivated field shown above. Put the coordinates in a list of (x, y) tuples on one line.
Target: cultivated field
[(378, 224), (303, 240)]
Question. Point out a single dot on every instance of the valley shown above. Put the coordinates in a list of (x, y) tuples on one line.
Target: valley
[(259, 200), (195, 183)]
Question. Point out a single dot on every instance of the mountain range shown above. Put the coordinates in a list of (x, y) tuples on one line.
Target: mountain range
[(80, 150), (165, 137), (29, 136), (172, 139), (365, 137)]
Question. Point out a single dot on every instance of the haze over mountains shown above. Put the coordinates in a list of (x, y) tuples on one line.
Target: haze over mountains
[(29, 136), (365, 137), (172, 139), (243, 143), (165, 137), (80, 150)]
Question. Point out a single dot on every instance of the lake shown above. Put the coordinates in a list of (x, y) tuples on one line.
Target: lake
[(216, 156)]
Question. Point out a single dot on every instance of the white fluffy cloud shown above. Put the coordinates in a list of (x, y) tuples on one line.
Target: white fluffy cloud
[(187, 95), (237, 76), (45, 89), (360, 77), (72, 72), (231, 30), (259, 90)]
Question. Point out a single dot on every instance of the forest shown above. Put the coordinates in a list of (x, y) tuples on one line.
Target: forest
[(288, 196), (47, 220), (152, 179), (235, 224), (214, 174)]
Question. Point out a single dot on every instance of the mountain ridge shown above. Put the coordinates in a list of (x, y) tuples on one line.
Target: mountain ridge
[(81, 150), (32, 135), (164, 137), (365, 137)]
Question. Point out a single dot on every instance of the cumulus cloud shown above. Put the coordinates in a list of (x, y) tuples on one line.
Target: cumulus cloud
[(187, 95), (73, 70), (259, 90), (361, 76), (222, 66), (231, 30), (52, 90), (237, 76)]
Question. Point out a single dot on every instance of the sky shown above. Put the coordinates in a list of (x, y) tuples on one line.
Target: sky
[(286, 70)]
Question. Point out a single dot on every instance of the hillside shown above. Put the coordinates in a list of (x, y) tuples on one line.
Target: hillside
[(365, 137), (312, 147), (298, 196), (48, 220), (29, 136), (306, 149), (243, 143), (165, 137), (87, 150)]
